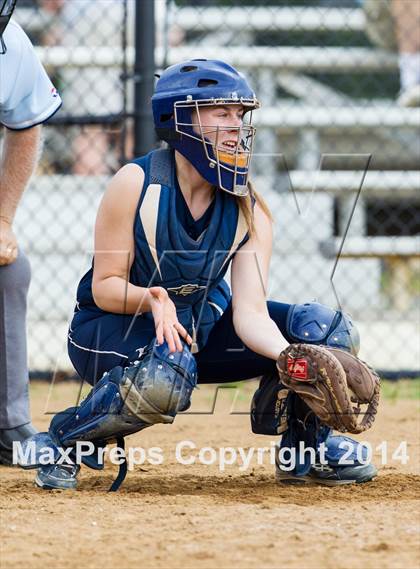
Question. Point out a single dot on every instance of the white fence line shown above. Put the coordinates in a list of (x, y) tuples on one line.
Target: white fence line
[(292, 116), (326, 59), (386, 184), (379, 246), (267, 18)]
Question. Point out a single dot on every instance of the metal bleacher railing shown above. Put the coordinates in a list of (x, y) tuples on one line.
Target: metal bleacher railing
[(313, 141)]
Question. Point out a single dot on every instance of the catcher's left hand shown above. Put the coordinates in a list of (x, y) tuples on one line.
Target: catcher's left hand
[(330, 381)]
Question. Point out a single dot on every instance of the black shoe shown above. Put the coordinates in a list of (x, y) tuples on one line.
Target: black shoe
[(8, 436)]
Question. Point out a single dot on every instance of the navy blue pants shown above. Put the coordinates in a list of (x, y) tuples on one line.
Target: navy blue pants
[(99, 342)]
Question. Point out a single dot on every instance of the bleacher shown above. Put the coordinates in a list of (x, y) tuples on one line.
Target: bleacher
[(326, 59), (268, 17), (322, 114)]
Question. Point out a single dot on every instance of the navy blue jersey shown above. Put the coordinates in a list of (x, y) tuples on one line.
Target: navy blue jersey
[(190, 268), (193, 227)]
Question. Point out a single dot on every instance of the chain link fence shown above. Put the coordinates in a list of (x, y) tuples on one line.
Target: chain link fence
[(337, 152)]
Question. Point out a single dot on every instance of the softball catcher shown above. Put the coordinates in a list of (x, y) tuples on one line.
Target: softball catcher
[(155, 315)]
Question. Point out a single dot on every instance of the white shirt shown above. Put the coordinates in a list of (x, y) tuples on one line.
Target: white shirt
[(27, 96)]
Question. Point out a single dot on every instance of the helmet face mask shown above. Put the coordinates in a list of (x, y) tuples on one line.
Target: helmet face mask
[(220, 150), (6, 11), (235, 160)]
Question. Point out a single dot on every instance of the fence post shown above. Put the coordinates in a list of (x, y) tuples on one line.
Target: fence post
[(144, 69)]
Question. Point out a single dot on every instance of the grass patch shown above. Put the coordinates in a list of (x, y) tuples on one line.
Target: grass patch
[(401, 389)]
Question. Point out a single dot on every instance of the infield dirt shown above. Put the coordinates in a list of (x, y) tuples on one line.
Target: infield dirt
[(177, 516)]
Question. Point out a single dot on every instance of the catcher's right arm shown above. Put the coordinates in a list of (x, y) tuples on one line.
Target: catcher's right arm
[(330, 381)]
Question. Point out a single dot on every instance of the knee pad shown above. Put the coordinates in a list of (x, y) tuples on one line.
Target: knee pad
[(160, 385), (314, 323)]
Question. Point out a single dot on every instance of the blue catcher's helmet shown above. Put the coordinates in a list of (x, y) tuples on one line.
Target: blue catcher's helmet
[(189, 86), (6, 11)]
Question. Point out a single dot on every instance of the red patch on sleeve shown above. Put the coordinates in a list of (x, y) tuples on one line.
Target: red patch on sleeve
[(297, 368)]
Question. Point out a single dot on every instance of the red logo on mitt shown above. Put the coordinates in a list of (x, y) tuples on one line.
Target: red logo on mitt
[(297, 368)]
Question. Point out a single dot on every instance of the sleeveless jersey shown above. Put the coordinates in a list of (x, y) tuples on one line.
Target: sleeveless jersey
[(193, 227), (191, 270)]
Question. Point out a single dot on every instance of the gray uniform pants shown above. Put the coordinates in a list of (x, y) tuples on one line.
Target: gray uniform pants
[(14, 400)]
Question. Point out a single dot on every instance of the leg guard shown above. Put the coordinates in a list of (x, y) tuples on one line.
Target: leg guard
[(101, 417), (305, 430), (124, 401)]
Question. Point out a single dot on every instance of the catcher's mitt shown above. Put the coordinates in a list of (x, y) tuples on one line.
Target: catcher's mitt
[(330, 381)]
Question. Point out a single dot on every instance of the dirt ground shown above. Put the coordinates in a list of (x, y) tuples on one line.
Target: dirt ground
[(197, 516)]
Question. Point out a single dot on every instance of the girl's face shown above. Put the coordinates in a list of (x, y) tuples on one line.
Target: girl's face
[(221, 125)]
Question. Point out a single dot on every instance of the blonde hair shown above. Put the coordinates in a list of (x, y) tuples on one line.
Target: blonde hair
[(245, 206)]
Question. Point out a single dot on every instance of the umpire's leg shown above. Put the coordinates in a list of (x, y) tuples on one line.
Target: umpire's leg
[(14, 400)]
